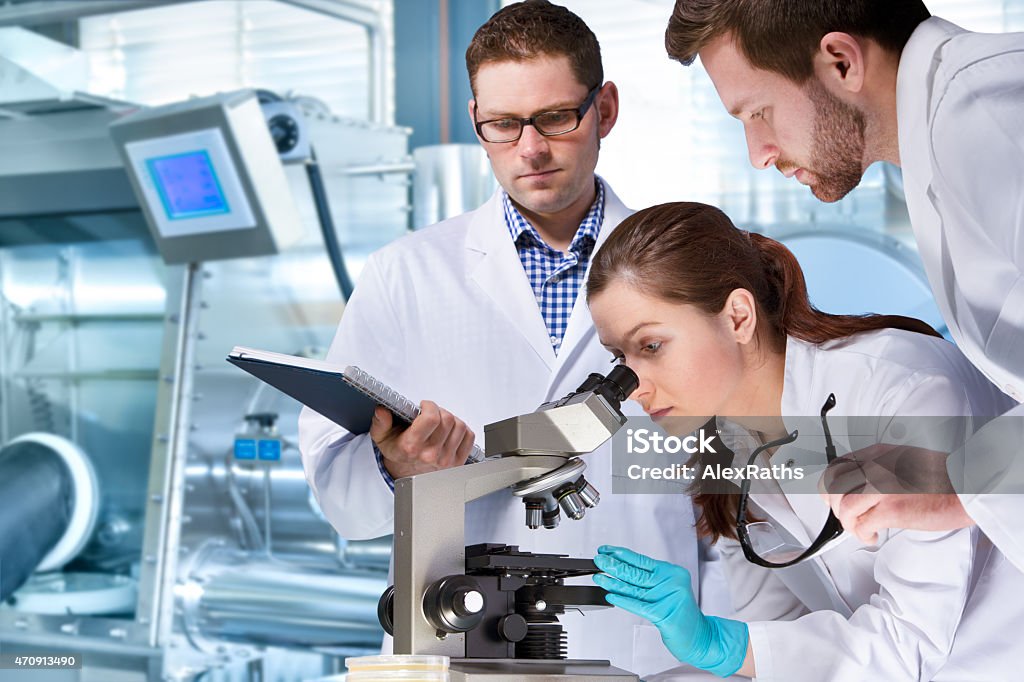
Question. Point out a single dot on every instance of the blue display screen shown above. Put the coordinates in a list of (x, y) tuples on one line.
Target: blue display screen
[(188, 185)]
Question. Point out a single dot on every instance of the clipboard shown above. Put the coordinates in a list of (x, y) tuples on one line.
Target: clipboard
[(347, 396)]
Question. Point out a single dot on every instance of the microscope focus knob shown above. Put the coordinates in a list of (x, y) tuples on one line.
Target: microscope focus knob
[(386, 610), (513, 628), (468, 602), (454, 603)]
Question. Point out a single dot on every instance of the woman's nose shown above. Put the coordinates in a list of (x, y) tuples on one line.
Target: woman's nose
[(643, 388)]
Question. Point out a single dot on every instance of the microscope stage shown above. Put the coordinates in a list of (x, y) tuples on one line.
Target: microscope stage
[(519, 670)]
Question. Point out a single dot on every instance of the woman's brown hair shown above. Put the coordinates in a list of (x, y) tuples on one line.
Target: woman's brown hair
[(691, 253)]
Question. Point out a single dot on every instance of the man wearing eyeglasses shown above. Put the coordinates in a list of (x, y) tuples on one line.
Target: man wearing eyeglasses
[(483, 315)]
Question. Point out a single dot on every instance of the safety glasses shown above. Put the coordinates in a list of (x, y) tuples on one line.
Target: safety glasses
[(766, 543)]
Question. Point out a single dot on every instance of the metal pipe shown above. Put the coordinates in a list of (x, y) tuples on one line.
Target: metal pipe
[(366, 554), (6, 313), (30, 318), (268, 542), (379, 95), (69, 272), (404, 166), (224, 490), (91, 375), (444, 71), (245, 597)]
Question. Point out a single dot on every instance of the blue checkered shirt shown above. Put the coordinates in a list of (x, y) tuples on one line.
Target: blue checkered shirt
[(554, 276)]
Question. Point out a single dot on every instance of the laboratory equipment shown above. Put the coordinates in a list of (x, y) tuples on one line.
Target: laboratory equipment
[(51, 500), (195, 561), (486, 606), (208, 178), (385, 668)]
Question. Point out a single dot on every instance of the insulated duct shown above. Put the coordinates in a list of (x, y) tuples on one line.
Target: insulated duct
[(50, 498), (35, 487)]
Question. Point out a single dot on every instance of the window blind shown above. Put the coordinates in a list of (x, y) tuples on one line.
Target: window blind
[(170, 53)]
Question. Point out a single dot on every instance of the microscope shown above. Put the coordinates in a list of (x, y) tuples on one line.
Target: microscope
[(489, 607)]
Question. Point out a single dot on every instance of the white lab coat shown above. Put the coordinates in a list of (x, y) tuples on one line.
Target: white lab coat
[(960, 110), (919, 605), (447, 314)]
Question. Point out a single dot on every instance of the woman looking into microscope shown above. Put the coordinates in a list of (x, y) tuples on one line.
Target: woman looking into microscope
[(717, 321)]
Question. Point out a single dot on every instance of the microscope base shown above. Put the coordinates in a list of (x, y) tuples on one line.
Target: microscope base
[(523, 670)]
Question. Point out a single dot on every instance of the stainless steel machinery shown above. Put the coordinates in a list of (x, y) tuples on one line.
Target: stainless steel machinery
[(199, 562)]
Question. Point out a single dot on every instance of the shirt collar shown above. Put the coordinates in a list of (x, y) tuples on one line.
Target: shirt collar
[(918, 62), (915, 78), (588, 229)]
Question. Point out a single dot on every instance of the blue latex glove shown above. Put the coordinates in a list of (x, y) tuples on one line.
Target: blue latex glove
[(661, 593)]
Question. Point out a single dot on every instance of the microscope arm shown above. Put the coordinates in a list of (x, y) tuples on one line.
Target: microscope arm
[(430, 543)]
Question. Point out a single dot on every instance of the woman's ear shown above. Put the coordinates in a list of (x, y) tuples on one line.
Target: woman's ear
[(741, 313)]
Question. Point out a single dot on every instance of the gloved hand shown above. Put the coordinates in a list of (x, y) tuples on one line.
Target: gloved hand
[(661, 593)]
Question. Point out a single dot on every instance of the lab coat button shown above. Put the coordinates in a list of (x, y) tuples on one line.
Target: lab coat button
[(1013, 392)]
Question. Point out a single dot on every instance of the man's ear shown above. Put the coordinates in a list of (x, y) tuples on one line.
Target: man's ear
[(607, 104), (470, 108), (839, 62), (740, 311)]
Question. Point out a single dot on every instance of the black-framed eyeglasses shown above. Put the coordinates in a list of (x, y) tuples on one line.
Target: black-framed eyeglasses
[(761, 541), (549, 123)]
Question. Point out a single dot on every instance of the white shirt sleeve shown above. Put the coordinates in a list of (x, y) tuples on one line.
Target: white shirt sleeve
[(905, 632), (977, 139), (341, 467), (991, 468), (978, 146)]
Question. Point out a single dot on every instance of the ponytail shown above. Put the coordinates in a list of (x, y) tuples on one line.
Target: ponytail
[(691, 253), (789, 308)]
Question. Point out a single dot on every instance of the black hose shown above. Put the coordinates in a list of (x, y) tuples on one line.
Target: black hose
[(37, 497), (323, 212)]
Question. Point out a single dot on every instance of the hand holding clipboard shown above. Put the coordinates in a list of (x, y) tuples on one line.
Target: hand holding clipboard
[(346, 396)]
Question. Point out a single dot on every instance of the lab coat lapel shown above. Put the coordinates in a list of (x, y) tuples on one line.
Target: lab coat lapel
[(799, 372), (778, 506), (805, 387), (499, 273), (810, 508), (767, 494), (580, 329)]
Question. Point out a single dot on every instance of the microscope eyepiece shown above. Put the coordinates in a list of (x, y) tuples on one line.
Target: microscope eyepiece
[(620, 382), (614, 388)]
